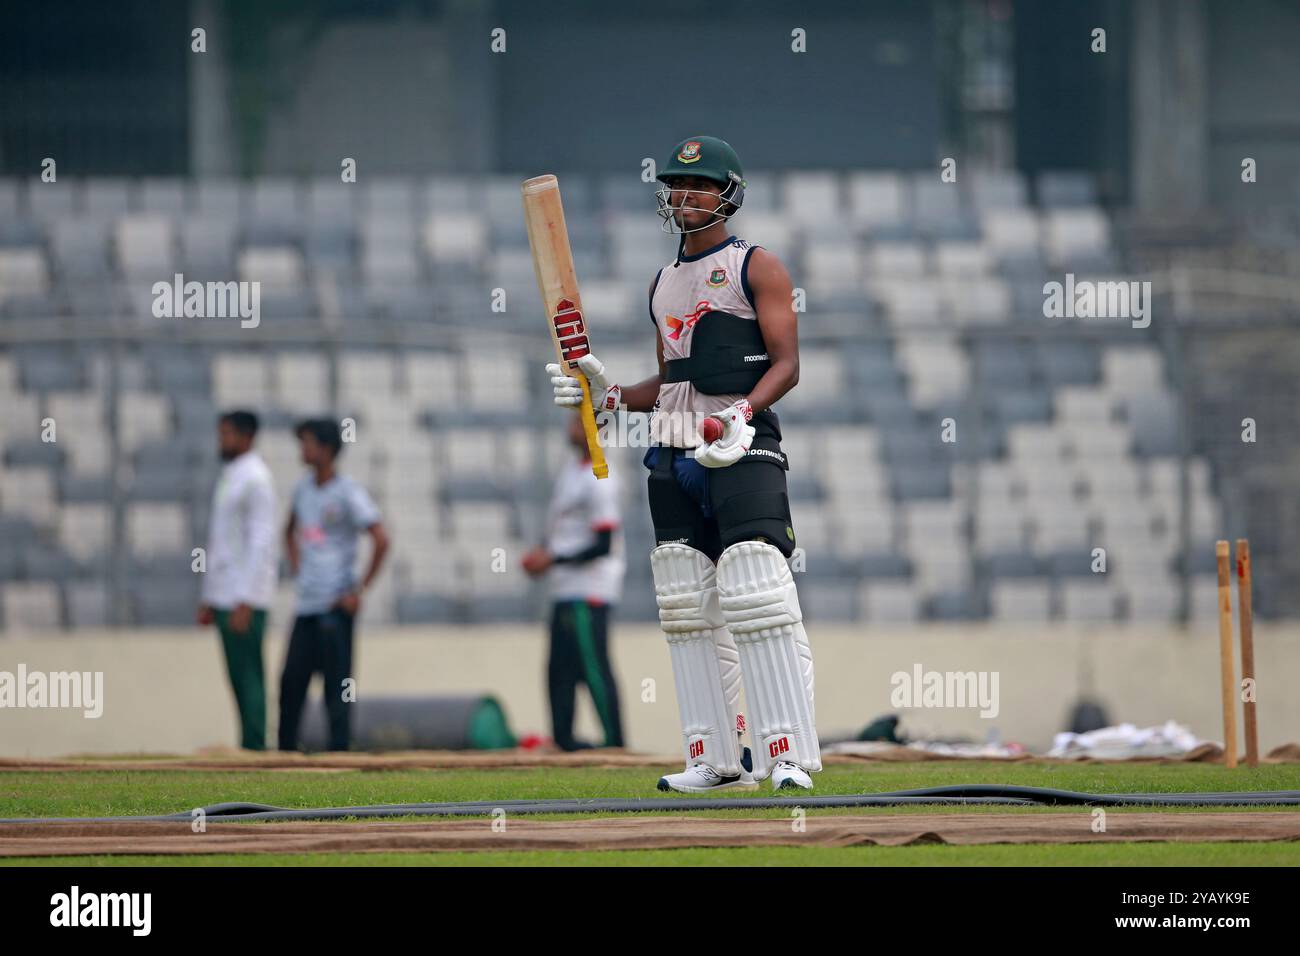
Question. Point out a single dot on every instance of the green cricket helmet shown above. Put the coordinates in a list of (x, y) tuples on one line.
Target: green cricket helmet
[(709, 158)]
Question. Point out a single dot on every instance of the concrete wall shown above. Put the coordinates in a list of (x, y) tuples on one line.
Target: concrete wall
[(166, 691)]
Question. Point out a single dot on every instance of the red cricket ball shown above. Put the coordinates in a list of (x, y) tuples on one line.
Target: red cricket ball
[(711, 430)]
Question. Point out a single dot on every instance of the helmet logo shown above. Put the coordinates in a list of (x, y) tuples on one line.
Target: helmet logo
[(718, 278), (689, 153)]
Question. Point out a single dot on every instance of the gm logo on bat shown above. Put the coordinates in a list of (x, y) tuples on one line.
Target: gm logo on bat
[(570, 331)]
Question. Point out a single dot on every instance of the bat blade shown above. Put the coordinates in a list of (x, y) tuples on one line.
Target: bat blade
[(548, 237)]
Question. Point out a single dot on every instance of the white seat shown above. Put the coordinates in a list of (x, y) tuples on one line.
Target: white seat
[(965, 259), (1153, 600), (876, 201), (85, 530), (157, 529), (895, 260), (812, 197), (1135, 368), (278, 266), (1011, 233), (890, 602), (942, 572), (1072, 234), (863, 529), (1000, 531), (977, 300), (302, 382), (1083, 404), (143, 417), (23, 272), (240, 380), (456, 238), (30, 492), (1061, 529), (1029, 600), (30, 606), (146, 245), (1086, 600)]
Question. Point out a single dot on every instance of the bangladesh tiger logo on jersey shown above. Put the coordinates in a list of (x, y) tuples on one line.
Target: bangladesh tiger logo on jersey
[(718, 277), (690, 152)]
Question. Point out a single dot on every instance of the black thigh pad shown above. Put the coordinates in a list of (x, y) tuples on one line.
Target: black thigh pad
[(678, 519), (750, 501)]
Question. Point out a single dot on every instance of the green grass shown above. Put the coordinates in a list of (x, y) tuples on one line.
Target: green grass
[(111, 792), (1113, 854), (134, 792)]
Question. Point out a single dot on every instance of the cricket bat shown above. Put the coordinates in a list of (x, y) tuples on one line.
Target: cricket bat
[(553, 262)]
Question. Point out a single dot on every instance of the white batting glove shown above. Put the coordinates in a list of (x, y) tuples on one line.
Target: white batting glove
[(568, 390), (734, 442)]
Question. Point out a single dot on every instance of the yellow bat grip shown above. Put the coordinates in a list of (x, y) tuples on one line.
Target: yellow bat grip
[(599, 467)]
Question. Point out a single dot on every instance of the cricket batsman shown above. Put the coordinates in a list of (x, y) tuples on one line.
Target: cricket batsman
[(728, 349)]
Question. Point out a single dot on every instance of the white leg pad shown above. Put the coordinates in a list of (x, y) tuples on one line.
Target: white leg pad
[(706, 664), (761, 608)]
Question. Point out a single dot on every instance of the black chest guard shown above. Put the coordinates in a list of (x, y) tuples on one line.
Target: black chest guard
[(728, 356)]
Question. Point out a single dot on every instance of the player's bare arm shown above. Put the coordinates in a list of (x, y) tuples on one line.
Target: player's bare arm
[(291, 543), (773, 301)]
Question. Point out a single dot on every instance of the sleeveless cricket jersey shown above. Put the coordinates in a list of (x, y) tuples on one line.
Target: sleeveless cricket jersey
[(713, 280)]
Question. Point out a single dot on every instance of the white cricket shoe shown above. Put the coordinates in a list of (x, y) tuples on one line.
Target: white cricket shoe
[(702, 778), (789, 776)]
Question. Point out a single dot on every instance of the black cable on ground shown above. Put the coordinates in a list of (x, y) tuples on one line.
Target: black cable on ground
[(960, 794)]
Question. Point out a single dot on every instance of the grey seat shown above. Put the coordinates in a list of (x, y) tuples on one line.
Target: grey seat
[(45, 562), (208, 249), (1057, 189), (1012, 564), (1022, 405), (50, 202), (47, 305), (79, 249), (1070, 363), (502, 608), (1154, 417), (105, 199), (88, 604), (919, 482), (828, 602), (18, 232), (998, 189), (166, 605), (10, 192), (955, 606), (884, 565), (427, 609), (937, 209), (1004, 364), (33, 452), (909, 445), (887, 407), (76, 489), (11, 563), (275, 212), (163, 195), (41, 370), (1071, 564)]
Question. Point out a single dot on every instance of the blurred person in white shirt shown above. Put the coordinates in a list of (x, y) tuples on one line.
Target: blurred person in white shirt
[(239, 582), (582, 558)]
